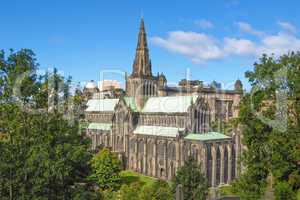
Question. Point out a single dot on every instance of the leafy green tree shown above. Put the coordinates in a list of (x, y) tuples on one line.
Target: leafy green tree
[(79, 105), (284, 190), (106, 170), (269, 117), (194, 183), (83, 192), (42, 155), (159, 190)]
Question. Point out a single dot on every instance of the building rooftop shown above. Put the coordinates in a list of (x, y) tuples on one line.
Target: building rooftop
[(158, 131), (101, 105), (206, 136), (169, 104), (130, 102)]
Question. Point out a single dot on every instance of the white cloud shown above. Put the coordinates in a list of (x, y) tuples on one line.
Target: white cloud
[(201, 47), (287, 27), (204, 24), (247, 28), (239, 46), (197, 46), (279, 44)]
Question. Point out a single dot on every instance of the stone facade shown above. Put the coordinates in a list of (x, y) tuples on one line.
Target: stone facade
[(155, 128)]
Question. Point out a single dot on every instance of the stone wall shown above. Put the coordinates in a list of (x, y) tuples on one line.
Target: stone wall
[(101, 117), (162, 156)]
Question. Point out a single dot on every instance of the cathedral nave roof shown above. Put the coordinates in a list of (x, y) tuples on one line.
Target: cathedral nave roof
[(158, 131), (206, 136), (169, 104), (101, 105)]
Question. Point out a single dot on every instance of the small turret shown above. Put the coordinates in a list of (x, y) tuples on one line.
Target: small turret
[(238, 86), (162, 81)]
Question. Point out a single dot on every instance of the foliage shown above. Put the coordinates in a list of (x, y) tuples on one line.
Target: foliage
[(283, 190), (225, 127), (159, 190), (18, 71), (42, 155), (139, 187), (106, 170), (226, 190), (194, 183), (129, 192), (82, 192), (270, 121), (129, 177)]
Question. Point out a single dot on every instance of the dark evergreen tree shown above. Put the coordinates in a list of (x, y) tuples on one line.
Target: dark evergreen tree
[(42, 156), (192, 180)]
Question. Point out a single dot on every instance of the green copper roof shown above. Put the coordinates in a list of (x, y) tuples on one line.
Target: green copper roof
[(101, 105), (206, 136), (100, 126), (130, 102), (158, 131), (169, 104)]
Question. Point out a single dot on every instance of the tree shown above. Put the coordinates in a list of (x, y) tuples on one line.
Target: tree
[(42, 154), (18, 71), (269, 117), (82, 192), (106, 170), (194, 183), (159, 190)]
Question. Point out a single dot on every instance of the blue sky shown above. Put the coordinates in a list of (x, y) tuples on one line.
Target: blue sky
[(216, 39)]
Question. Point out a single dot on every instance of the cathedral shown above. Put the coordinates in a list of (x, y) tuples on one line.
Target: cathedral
[(154, 127)]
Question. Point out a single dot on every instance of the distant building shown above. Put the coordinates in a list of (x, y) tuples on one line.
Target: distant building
[(154, 128), (109, 85), (108, 89)]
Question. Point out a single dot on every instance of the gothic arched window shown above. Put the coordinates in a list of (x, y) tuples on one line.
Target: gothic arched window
[(161, 149), (171, 151)]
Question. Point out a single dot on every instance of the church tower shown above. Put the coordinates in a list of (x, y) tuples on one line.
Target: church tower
[(141, 84)]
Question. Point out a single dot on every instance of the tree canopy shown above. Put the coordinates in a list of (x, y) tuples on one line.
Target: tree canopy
[(42, 154), (269, 117), (106, 169)]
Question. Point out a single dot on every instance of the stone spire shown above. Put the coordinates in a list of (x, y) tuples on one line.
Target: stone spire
[(142, 63)]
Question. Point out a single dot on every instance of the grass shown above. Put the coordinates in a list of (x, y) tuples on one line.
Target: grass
[(129, 177), (226, 190)]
